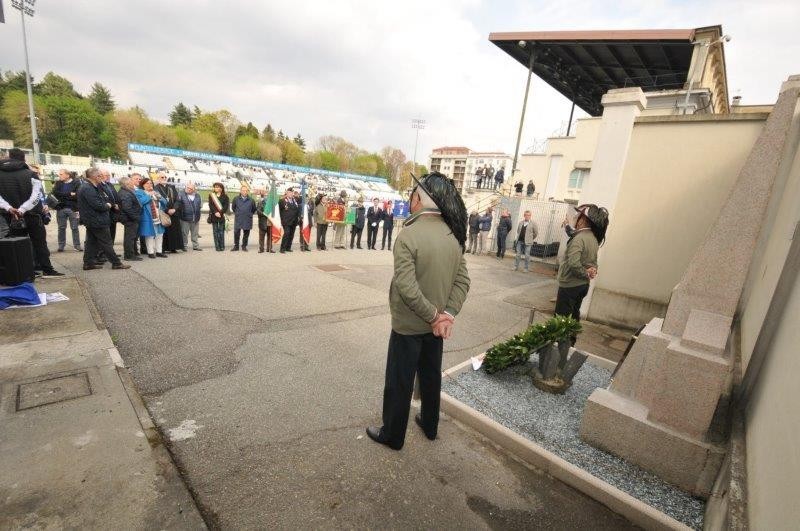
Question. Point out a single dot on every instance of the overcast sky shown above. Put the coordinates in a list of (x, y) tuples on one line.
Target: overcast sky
[(364, 69)]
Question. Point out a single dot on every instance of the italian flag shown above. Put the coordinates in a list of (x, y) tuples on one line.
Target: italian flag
[(273, 213), (305, 220)]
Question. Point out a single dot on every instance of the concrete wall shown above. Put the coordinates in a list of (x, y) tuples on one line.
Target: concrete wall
[(678, 173)]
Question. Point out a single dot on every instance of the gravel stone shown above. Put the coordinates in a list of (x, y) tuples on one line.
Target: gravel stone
[(553, 421)]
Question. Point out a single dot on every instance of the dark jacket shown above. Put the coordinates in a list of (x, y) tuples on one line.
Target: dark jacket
[(225, 203), (530, 189), (63, 192), (263, 220), (15, 183), (243, 210), (499, 175), (290, 212), (360, 217), (503, 227), (374, 215), (129, 208), (93, 206), (485, 222), (388, 220), (190, 210), (474, 223)]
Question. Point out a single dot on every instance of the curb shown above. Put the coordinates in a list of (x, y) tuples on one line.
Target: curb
[(535, 455)]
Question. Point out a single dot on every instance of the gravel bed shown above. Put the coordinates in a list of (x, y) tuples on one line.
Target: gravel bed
[(553, 422)]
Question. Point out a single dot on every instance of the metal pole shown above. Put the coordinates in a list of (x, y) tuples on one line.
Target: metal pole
[(414, 168), (34, 135), (571, 112), (522, 116)]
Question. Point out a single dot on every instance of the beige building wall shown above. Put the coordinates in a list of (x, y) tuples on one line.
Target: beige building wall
[(574, 150), (679, 172)]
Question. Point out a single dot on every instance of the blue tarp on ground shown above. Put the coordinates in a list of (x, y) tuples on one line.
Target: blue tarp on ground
[(23, 294)]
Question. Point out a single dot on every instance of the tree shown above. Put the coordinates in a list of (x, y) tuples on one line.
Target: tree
[(393, 159), (365, 164), (292, 154), (281, 136), (74, 126), (329, 161), (210, 124), (300, 142), (180, 115), (344, 150), (195, 140), (14, 113), (247, 147), (229, 124), (268, 134), (196, 112), (133, 125), (100, 98), (55, 85), (247, 130), (270, 151)]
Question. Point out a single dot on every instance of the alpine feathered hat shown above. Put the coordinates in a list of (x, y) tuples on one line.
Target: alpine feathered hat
[(445, 194)]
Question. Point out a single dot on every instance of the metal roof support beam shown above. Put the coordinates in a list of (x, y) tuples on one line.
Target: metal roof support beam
[(531, 60)]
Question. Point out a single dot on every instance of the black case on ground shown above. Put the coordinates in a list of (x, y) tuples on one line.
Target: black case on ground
[(16, 260)]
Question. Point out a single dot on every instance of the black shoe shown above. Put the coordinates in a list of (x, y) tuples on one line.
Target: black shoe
[(283, 252), (261, 250), (151, 256), (288, 250), (120, 266), (174, 251), (357, 247), (60, 250), (244, 249), (132, 259), (89, 267), (234, 249), (196, 249), (418, 420), (271, 251), (374, 433), (52, 273), (162, 255)]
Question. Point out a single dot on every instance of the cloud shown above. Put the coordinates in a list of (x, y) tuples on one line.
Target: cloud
[(363, 70)]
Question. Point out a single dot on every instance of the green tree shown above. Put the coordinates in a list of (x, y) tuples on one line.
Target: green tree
[(329, 161), (180, 115), (270, 151), (247, 147), (393, 159), (344, 150), (73, 126), (229, 124), (9, 81), (101, 99), (268, 134), (210, 124), (14, 113), (190, 139), (364, 164), (301, 143), (292, 154), (247, 130), (133, 125), (196, 112), (55, 85)]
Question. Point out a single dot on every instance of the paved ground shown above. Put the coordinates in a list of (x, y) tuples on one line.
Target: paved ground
[(264, 370), (73, 453)]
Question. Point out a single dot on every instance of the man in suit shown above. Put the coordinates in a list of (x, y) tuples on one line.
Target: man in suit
[(388, 226), (358, 227), (94, 206), (190, 204), (523, 241), (429, 286), (290, 215), (374, 218)]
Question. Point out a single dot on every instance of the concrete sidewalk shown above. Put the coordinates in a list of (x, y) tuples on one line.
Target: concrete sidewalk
[(77, 448)]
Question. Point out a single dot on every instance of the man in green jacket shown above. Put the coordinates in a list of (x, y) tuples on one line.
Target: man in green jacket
[(580, 260), (429, 287)]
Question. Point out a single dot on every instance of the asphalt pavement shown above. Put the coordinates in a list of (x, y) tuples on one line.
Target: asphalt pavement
[(262, 371)]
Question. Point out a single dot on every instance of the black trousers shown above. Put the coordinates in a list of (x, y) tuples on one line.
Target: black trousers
[(387, 234), (501, 245), (245, 237), (112, 230), (372, 236), (131, 229), (568, 302), (36, 232), (322, 230), (354, 232), (265, 234), (98, 240), (408, 356), (288, 236)]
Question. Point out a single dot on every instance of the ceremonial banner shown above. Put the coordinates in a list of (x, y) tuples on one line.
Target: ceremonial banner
[(335, 213), (272, 211), (305, 219), (350, 218)]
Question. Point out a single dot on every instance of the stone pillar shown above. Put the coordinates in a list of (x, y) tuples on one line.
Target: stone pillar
[(658, 410)]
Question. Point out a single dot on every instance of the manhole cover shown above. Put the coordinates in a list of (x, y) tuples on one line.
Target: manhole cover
[(328, 268), (52, 390)]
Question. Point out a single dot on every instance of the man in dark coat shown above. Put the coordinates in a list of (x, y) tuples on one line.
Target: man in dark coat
[(66, 191), (21, 209), (474, 228), (264, 226), (130, 212), (374, 218), (173, 236), (388, 226), (499, 177), (358, 226), (290, 213), (94, 206), (503, 228)]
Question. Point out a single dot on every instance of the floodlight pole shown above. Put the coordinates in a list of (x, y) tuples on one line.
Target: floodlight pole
[(34, 134), (571, 112), (416, 124), (522, 115)]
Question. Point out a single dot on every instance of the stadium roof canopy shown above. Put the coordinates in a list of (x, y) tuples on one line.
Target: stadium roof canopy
[(584, 65)]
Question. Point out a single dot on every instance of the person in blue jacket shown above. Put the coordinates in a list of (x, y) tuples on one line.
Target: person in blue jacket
[(150, 224)]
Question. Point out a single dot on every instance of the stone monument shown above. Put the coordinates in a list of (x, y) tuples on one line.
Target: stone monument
[(659, 408)]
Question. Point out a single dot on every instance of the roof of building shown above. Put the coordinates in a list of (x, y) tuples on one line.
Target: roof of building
[(584, 65), (452, 149)]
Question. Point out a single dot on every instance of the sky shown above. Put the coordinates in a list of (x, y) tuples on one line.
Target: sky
[(364, 69)]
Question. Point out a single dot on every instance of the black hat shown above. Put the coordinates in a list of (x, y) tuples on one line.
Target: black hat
[(598, 219), (447, 198)]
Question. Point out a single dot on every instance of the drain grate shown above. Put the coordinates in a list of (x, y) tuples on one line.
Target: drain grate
[(52, 390), (329, 268)]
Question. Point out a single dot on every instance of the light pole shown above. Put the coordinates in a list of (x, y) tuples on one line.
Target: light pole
[(417, 124), (26, 8)]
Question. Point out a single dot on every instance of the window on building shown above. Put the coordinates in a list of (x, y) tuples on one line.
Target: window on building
[(576, 178)]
